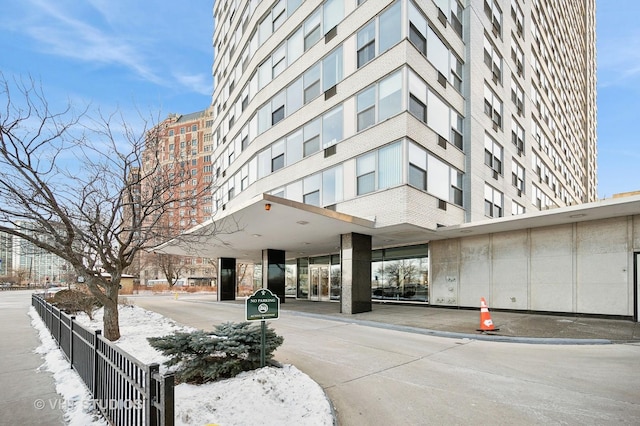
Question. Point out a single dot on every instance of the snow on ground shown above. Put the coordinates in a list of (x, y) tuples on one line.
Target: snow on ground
[(267, 396)]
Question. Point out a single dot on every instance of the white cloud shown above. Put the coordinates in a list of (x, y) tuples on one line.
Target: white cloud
[(114, 34)]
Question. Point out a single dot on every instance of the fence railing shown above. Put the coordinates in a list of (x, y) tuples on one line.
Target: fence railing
[(125, 390)]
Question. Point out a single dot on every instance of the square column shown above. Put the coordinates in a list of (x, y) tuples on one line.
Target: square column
[(273, 272), (226, 278), (355, 261)]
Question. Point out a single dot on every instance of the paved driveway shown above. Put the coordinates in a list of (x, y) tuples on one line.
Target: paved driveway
[(389, 377)]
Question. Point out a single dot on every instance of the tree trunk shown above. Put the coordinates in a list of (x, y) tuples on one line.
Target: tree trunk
[(110, 320)]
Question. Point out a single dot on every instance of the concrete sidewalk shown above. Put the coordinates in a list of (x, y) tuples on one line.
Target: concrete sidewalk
[(27, 394)]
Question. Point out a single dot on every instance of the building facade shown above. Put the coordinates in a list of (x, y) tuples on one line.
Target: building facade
[(367, 126), (181, 146)]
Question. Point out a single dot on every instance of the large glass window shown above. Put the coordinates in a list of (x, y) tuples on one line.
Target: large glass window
[(390, 27), (390, 165), (332, 183), (400, 274), (333, 13), (332, 69), (390, 96), (332, 127)]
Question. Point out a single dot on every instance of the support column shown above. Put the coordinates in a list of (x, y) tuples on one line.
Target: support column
[(355, 261), (226, 278), (273, 272)]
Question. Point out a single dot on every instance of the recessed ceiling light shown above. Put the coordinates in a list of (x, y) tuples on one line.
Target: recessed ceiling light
[(302, 222), (466, 231), (575, 216), (257, 235)]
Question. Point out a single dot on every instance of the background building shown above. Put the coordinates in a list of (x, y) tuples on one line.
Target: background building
[(182, 145)]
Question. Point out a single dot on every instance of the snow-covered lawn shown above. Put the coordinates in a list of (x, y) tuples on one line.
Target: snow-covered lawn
[(267, 396)]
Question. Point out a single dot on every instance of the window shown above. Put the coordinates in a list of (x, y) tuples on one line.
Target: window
[(365, 172), (390, 165), (517, 176), (417, 28), (294, 147), (332, 69), (517, 136), (366, 104), (311, 83), (517, 55), (516, 208), (311, 143), (390, 96), (417, 167), (366, 43), (493, 12), (278, 14), (312, 30), (492, 155), (390, 30), (457, 123), (517, 97), (493, 107), (332, 183), (194, 128), (311, 189), (332, 127), (278, 61), (277, 155), (456, 187), (171, 132), (417, 108), (333, 13), (517, 16), (492, 202), (492, 60)]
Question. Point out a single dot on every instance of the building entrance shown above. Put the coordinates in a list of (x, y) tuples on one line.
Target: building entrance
[(319, 282)]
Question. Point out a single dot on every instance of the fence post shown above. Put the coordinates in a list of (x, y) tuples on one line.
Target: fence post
[(150, 414), (168, 383), (94, 376), (73, 319)]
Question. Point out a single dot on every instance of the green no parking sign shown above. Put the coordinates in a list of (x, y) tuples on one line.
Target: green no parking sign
[(262, 305)]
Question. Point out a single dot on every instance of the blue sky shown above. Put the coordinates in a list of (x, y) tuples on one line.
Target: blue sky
[(156, 57)]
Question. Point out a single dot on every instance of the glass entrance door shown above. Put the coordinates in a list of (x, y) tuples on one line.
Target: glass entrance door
[(319, 282)]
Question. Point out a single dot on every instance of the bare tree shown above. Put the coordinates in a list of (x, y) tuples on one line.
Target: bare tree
[(172, 267), (84, 188)]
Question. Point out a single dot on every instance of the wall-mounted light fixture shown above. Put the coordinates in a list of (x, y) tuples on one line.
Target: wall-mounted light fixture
[(267, 207)]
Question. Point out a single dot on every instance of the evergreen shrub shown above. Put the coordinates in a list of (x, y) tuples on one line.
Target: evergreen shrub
[(206, 356)]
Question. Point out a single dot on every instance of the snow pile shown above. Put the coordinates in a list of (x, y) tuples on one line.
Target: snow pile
[(267, 396)]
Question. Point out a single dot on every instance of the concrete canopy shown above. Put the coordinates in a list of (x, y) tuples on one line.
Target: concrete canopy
[(303, 230), (299, 229)]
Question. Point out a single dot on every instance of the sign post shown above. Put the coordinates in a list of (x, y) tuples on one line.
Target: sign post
[(261, 306)]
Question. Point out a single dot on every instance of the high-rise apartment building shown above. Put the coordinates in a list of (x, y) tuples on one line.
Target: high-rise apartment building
[(398, 118), (181, 146)]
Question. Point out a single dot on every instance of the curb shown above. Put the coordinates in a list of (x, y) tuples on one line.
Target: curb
[(455, 335)]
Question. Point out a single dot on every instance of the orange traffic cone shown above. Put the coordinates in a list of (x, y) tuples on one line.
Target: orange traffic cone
[(486, 324)]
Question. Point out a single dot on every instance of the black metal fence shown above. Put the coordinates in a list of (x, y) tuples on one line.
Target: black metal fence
[(124, 390)]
